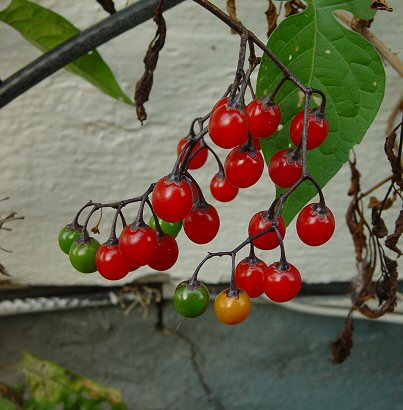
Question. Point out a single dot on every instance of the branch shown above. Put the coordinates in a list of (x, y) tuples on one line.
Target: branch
[(382, 48), (77, 46)]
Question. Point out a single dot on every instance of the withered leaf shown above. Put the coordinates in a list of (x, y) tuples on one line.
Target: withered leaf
[(294, 7), (107, 5), (3, 270), (380, 5), (379, 228), (355, 179), (271, 15), (144, 85), (374, 202), (393, 157), (342, 345), (392, 240)]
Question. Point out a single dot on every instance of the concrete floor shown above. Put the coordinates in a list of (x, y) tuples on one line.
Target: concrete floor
[(278, 359)]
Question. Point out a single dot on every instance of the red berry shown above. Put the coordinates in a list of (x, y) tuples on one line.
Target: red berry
[(282, 283), (264, 118), (256, 143), (228, 127), (220, 103), (199, 159), (284, 170), (249, 275), (172, 198), (259, 223), (110, 262), (137, 244), (315, 225), (318, 128), (221, 189), (202, 223), (165, 254), (244, 166)]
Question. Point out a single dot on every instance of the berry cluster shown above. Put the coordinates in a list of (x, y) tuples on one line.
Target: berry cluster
[(177, 199)]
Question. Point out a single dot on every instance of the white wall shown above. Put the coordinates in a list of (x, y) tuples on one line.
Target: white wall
[(63, 143)]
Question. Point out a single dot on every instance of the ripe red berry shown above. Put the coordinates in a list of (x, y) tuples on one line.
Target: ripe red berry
[(318, 129), (202, 223), (264, 118), (165, 254), (315, 225), (110, 262), (249, 276), (259, 223), (284, 169), (282, 283), (228, 127), (221, 189), (220, 103), (137, 244), (172, 198), (244, 166), (199, 159)]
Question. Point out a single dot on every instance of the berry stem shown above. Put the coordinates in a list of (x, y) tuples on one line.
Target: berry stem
[(76, 225), (219, 163), (201, 199), (159, 230), (112, 237), (276, 90)]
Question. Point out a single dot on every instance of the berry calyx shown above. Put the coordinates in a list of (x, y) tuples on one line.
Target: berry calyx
[(110, 262), (259, 223), (67, 236), (232, 309), (221, 189), (165, 254), (249, 275), (318, 128), (228, 127), (197, 160), (172, 198), (137, 243), (282, 282), (191, 299), (315, 224), (202, 223), (264, 117), (171, 228), (244, 166), (284, 169), (82, 254)]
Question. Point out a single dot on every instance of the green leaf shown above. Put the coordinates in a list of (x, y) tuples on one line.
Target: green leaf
[(46, 29), (324, 54), (50, 385), (6, 404)]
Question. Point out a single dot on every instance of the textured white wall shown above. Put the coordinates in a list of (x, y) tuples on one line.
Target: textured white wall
[(63, 143)]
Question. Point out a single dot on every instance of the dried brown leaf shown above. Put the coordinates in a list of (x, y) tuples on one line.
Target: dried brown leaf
[(144, 85), (380, 5), (271, 15), (3, 270), (294, 7), (374, 202), (342, 345), (107, 5), (379, 228), (355, 179), (393, 157), (392, 240)]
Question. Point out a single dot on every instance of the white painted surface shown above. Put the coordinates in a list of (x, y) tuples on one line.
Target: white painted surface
[(63, 143)]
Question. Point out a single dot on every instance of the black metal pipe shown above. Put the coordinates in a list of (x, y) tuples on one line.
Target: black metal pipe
[(78, 46)]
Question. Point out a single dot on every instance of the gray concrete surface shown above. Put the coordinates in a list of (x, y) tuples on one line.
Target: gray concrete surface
[(276, 360)]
